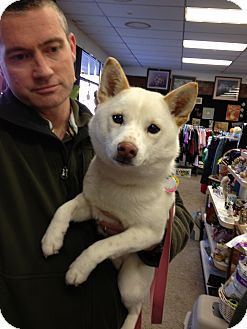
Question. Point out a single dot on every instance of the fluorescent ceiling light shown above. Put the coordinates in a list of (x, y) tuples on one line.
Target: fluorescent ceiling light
[(214, 45), (241, 3), (206, 61), (215, 15)]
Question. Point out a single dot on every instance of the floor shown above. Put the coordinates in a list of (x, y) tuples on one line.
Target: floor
[(185, 280)]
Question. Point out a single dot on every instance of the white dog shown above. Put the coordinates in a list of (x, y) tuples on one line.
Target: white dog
[(135, 138)]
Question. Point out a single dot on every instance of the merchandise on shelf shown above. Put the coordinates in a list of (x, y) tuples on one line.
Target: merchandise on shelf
[(236, 286), (240, 166)]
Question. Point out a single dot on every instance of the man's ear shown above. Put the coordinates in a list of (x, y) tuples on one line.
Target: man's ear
[(113, 80), (72, 42), (181, 102)]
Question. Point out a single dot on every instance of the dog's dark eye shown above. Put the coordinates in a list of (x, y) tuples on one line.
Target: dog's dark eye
[(153, 129), (118, 118)]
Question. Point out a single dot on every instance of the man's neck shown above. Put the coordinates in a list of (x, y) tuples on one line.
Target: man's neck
[(59, 119)]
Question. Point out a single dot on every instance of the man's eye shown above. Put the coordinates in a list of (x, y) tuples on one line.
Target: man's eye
[(53, 49), (19, 57), (118, 118), (153, 129)]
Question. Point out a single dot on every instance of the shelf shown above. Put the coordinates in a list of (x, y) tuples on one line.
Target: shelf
[(242, 182), (212, 245), (242, 228), (244, 154), (207, 266), (222, 266), (209, 230), (221, 212)]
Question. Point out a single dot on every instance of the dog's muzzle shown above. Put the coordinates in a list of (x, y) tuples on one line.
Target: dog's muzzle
[(126, 152)]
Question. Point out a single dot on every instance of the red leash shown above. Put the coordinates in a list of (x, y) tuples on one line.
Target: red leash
[(158, 288)]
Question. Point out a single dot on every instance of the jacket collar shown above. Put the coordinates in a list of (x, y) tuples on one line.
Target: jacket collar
[(17, 113)]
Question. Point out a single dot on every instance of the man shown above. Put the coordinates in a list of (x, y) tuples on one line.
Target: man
[(44, 153)]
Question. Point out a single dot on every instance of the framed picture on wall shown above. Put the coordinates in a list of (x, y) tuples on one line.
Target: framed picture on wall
[(221, 126), (208, 113), (210, 123), (198, 100), (233, 112), (227, 88), (196, 122), (179, 80), (158, 79)]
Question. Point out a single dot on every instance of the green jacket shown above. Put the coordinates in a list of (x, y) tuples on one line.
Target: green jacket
[(39, 173)]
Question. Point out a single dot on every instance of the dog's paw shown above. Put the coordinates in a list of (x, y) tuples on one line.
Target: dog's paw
[(51, 244), (75, 277)]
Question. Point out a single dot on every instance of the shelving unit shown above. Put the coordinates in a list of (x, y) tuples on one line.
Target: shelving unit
[(208, 267), (212, 268), (212, 244), (242, 182), (207, 246), (213, 271), (209, 231), (221, 212)]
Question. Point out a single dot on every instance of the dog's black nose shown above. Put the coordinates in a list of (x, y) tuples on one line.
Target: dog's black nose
[(127, 150)]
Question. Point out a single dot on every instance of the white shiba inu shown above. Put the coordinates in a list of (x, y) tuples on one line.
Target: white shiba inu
[(135, 138)]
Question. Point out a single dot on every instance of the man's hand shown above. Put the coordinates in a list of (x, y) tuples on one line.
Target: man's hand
[(110, 228), (115, 228)]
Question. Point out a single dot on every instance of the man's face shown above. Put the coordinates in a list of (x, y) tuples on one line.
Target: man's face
[(37, 58)]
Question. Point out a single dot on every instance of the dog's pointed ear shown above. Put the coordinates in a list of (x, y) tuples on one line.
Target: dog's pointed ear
[(113, 80), (181, 102)]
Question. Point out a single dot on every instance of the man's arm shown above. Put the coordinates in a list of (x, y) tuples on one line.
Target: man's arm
[(181, 231)]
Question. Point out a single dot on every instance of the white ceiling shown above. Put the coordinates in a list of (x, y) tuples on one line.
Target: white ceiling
[(161, 45)]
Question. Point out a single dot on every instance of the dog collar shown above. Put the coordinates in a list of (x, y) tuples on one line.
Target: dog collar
[(171, 184)]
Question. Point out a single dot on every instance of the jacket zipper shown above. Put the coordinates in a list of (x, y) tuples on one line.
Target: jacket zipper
[(65, 173)]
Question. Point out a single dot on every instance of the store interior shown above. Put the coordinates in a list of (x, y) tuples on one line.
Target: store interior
[(209, 277)]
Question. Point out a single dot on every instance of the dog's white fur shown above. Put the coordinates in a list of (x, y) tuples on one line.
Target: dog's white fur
[(126, 179)]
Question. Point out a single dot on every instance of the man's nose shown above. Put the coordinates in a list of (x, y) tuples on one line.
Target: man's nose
[(41, 67)]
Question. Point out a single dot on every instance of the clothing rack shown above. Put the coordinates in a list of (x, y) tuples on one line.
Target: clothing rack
[(216, 147), (192, 139)]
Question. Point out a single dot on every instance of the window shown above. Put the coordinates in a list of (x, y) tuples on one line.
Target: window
[(86, 94), (89, 79), (90, 68)]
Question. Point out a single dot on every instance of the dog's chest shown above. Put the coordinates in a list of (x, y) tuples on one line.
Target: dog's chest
[(130, 204)]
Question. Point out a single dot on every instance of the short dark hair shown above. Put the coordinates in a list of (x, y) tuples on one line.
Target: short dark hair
[(25, 5)]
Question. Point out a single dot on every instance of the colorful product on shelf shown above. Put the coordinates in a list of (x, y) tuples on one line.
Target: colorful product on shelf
[(236, 286)]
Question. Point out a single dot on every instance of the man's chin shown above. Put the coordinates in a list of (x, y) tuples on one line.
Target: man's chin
[(47, 102)]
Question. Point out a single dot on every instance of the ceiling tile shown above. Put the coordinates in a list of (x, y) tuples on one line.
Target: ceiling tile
[(219, 28), (134, 11), (160, 46), (147, 2), (156, 24)]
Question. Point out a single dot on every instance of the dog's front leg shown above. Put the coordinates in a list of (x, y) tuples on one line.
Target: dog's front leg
[(76, 210), (134, 282), (129, 241)]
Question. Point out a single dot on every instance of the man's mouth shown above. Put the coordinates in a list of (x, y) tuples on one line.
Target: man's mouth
[(45, 89)]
